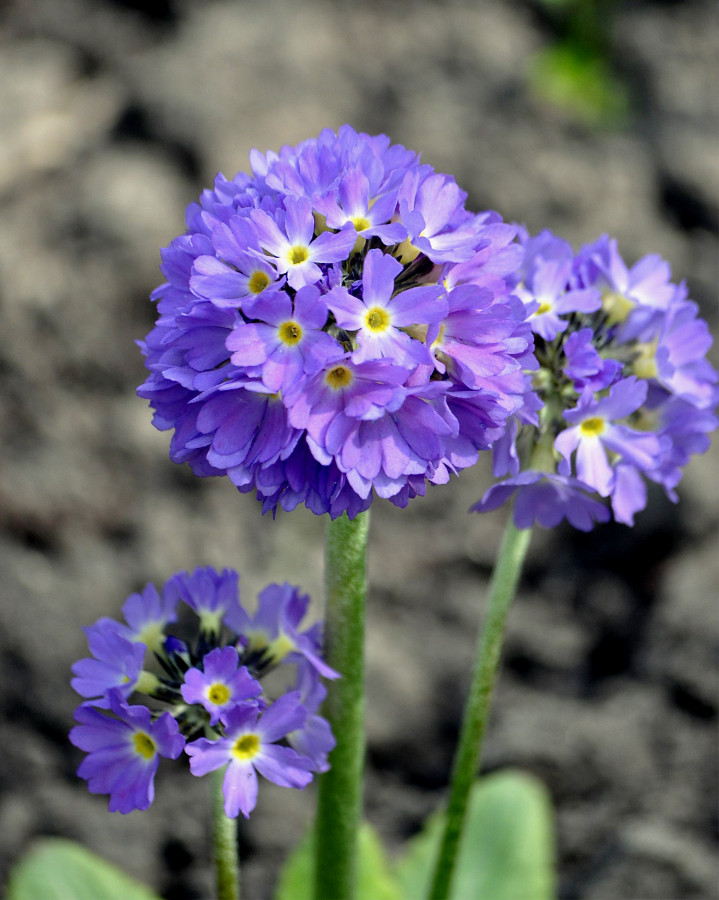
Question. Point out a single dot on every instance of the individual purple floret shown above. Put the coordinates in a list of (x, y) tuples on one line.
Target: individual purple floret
[(249, 744), (206, 686), (124, 752), (624, 392), (220, 684), (339, 253)]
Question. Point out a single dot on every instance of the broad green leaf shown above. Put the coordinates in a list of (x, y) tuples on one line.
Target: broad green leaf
[(376, 881), (507, 850), (57, 869)]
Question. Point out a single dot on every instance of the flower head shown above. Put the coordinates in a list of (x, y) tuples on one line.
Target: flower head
[(314, 305), (210, 688), (624, 392)]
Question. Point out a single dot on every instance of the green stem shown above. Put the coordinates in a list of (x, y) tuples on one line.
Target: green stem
[(340, 789), (224, 837), (489, 648)]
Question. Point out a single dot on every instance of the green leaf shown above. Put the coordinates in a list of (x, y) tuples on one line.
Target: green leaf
[(507, 850), (57, 869), (376, 881)]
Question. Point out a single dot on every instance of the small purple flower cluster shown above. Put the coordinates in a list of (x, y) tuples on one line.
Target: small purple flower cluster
[(337, 324), (217, 710), (624, 392)]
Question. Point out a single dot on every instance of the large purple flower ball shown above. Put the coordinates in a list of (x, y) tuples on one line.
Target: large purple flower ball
[(335, 324)]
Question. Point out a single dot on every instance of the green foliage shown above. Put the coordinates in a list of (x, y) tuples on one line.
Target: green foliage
[(375, 880), (507, 849), (579, 82), (57, 869)]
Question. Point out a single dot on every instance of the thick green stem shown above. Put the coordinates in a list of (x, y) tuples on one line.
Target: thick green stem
[(340, 789), (489, 648), (224, 837)]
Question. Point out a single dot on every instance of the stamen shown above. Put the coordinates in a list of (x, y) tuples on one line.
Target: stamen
[(298, 254), (290, 333), (258, 281), (592, 427), (377, 318), (218, 693), (144, 745), (247, 746), (339, 377)]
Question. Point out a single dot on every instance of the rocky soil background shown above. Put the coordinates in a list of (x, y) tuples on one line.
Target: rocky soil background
[(113, 116)]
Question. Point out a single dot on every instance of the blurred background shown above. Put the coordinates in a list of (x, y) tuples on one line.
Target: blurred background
[(585, 116)]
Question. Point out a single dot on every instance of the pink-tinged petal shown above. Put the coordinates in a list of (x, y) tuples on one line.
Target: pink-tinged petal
[(240, 789)]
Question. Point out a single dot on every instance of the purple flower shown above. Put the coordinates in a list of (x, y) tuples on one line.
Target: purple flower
[(124, 752), (214, 596), (249, 746), (116, 663), (623, 392), (546, 500), (315, 739), (220, 684), (336, 254), (148, 614), (594, 431)]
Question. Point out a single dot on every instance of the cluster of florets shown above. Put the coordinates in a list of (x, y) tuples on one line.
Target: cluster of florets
[(335, 324), (205, 692), (624, 392)]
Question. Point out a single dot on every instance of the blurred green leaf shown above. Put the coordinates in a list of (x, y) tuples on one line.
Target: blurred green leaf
[(57, 869), (580, 83), (507, 850), (376, 881)]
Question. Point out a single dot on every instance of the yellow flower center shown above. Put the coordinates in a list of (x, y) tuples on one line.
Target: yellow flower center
[(144, 745), (617, 307), (544, 307), (298, 254), (360, 222), (258, 281), (246, 747), (406, 252), (339, 377), (280, 647), (645, 365), (592, 427), (377, 319), (290, 333), (152, 636), (218, 693)]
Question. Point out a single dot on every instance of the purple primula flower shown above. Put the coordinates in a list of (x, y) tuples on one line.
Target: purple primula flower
[(594, 431), (148, 614), (272, 632), (210, 687), (249, 746), (288, 341), (378, 317), (335, 254), (116, 663), (546, 500), (214, 596), (220, 684), (289, 237), (623, 392), (124, 752)]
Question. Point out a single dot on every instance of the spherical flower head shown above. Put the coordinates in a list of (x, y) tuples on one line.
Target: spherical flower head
[(220, 683), (339, 253), (249, 746), (124, 752), (625, 392)]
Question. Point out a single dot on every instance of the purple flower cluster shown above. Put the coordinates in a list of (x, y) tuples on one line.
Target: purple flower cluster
[(624, 393), (216, 709), (337, 324)]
